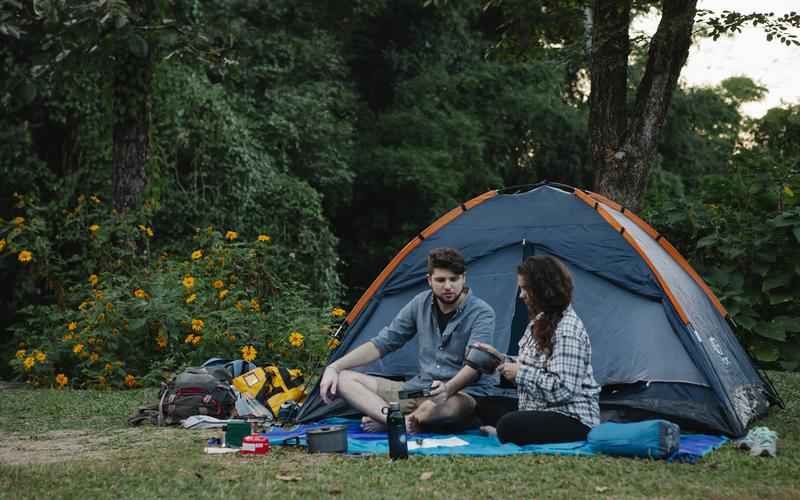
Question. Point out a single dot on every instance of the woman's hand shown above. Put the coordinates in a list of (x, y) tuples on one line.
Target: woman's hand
[(509, 370)]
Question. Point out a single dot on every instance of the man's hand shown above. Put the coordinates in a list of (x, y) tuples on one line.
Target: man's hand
[(439, 392), (327, 388), (509, 370)]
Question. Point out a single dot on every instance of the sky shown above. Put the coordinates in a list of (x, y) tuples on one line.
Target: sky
[(770, 64)]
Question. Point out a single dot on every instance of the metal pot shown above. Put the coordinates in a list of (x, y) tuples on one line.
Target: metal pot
[(484, 361), (329, 439)]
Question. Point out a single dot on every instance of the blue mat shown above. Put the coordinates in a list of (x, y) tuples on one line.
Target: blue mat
[(692, 447)]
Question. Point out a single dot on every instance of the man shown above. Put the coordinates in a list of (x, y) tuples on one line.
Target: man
[(446, 319)]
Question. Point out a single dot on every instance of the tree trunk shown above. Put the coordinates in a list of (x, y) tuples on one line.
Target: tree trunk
[(131, 132), (623, 144)]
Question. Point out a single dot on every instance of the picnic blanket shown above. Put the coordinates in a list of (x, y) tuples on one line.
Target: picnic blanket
[(692, 446)]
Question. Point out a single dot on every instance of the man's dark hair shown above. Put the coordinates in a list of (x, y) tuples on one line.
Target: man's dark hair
[(446, 258)]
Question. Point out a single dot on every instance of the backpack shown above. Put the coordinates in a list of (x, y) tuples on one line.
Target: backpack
[(194, 391)]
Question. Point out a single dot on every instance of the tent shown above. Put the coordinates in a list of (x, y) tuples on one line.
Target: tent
[(661, 343)]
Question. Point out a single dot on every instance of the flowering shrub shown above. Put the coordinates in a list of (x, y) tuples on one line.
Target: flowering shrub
[(129, 316)]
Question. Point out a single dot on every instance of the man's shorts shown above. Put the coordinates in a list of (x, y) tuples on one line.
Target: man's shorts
[(389, 390)]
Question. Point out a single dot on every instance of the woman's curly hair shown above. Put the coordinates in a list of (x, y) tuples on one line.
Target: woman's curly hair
[(548, 284)]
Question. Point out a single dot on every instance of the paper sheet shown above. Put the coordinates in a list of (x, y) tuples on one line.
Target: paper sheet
[(414, 444)]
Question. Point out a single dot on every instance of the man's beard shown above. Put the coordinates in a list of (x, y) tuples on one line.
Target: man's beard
[(444, 301)]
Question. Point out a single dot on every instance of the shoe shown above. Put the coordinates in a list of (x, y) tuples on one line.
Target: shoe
[(763, 442)]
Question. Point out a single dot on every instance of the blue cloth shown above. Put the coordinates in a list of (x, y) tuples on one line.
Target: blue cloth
[(440, 355), (692, 447)]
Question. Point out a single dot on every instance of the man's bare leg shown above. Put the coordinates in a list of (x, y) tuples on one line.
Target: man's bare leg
[(361, 392), (457, 408)]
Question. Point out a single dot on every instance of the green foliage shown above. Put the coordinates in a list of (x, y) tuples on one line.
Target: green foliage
[(740, 225), (127, 314)]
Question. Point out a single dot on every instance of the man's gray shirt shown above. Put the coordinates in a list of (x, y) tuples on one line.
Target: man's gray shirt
[(440, 354)]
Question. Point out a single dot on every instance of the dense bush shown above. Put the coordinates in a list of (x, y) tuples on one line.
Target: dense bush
[(128, 315)]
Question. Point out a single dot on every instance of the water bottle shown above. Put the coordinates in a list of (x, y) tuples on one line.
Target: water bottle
[(396, 424)]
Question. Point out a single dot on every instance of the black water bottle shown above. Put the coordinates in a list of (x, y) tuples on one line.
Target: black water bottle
[(396, 424)]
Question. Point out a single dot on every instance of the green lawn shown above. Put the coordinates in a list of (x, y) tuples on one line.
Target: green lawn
[(74, 444)]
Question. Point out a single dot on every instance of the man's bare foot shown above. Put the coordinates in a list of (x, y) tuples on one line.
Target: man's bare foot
[(368, 424), (413, 425), (488, 430)]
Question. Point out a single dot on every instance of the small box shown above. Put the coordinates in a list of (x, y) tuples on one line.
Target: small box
[(235, 432)]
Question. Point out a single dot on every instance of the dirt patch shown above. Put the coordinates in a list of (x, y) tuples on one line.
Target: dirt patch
[(64, 445)]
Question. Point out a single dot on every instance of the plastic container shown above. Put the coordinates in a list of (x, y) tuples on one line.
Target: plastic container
[(255, 445)]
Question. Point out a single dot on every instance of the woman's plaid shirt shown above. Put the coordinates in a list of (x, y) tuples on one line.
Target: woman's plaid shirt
[(564, 381)]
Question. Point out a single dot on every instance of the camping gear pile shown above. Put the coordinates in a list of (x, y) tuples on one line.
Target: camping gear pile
[(662, 347), (219, 390)]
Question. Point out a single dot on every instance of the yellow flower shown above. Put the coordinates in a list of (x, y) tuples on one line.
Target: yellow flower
[(109, 367), (189, 338), (98, 295), (197, 325), (188, 281), (41, 357), (149, 232), (197, 339), (93, 358), (197, 254), (141, 228), (222, 294), (93, 279), (295, 372), (139, 293), (68, 337), (109, 306), (25, 256), (29, 362), (84, 305), (786, 189), (218, 284), (255, 305), (264, 237), (191, 298), (93, 228), (333, 343), (72, 326), (101, 380), (231, 235), (95, 199), (296, 339), (337, 312), (77, 348), (21, 354), (130, 380), (231, 337), (19, 221), (2, 245), (238, 306), (249, 353), (161, 341), (61, 380)]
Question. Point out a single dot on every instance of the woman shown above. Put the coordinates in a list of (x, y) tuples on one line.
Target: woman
[(558, 395)]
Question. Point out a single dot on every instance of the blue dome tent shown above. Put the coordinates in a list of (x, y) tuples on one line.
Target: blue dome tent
[(662, 347)]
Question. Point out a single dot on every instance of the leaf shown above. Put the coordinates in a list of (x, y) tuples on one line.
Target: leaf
[(796, 232), (766, 354), (425, 476), (707, 241), (138, 46), (776, 281), (601, 489), (771, 330), (788, 323), (746, 321), (780, 297)]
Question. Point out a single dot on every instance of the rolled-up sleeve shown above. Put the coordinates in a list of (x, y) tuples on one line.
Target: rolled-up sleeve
[(402, 329), (561, 378), (483, 327)]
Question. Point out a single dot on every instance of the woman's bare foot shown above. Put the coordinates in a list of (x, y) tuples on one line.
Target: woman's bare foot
[(368, 424), (488, 430)]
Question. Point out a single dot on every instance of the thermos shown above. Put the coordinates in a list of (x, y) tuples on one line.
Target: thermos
[(396, 424)]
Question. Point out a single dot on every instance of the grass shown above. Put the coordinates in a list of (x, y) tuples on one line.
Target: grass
[(74, 444)]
